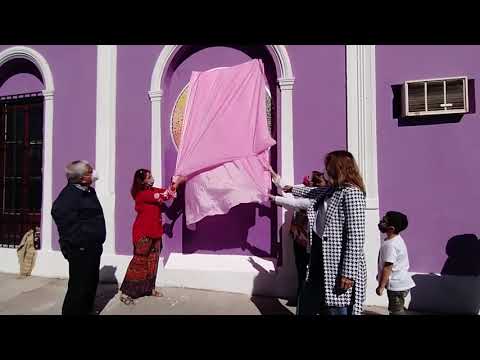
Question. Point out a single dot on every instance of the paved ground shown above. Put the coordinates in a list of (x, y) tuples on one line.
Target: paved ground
[(42, 296)]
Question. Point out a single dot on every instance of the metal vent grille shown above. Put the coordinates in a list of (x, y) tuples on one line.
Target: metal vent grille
[(435, 96)]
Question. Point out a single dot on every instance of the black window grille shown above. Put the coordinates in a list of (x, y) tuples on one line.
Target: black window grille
[(21, 159)]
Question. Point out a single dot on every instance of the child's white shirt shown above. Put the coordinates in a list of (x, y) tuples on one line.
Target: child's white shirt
[(395, 251)]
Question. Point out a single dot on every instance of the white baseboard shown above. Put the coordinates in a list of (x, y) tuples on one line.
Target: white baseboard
[(52, 264), (251, 275), (9, 261), (248, 275), (229, 273)]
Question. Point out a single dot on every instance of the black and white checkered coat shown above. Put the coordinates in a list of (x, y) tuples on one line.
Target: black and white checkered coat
[(342, 241)]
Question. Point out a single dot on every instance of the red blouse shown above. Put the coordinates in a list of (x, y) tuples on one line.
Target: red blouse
[(148, 204)]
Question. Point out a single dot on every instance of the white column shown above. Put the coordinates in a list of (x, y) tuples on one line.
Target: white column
[(362, 143), (47, 172), (156, 140), (106, 137), (361, 110), (287, 271), (286, 131)]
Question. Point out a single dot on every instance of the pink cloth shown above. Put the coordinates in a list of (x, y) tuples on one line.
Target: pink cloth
[(225, 140)]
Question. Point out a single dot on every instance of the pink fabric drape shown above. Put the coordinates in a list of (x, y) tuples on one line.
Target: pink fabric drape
[(225, 140)]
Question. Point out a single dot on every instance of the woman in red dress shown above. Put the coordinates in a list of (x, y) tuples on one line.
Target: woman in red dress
[(147, 237)]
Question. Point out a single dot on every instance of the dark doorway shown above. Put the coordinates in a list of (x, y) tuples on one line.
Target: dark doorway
[(21, 153)]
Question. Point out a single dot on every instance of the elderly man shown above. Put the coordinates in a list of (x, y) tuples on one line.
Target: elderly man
[(81, 227)]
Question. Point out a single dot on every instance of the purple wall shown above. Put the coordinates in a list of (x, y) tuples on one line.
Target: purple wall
[(74, 74), (319, 108), (134, 70), (319, 105), (428, 171)]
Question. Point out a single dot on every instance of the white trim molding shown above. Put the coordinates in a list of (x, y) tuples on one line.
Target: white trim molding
[(362, 143), (284, 215), (229, 273), (278, 51), (105, 143), (47, 172), (361, 115), (156, 142), (23, 52), (51, 264), (286, 129)]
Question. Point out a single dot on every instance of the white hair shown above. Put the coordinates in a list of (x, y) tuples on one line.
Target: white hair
[(76, 169)]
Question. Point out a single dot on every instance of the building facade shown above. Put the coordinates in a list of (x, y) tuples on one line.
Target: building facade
[(113, 105)]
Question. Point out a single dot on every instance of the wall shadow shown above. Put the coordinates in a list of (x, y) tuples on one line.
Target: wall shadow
[(457, 289), (284, 276), (209, 233), (267, 305), (107, 287), (220, 232)]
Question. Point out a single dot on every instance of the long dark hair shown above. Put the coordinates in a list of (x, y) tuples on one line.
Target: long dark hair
[(342, 168), (138, 181), (317, 178)]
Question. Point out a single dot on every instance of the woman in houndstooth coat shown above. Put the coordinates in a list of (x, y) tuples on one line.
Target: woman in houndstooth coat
[(336, 278)]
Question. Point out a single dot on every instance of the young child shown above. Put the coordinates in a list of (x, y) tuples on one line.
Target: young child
[(393, 264), (299, 224)]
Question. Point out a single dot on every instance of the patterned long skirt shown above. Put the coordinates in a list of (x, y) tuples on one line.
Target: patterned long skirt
[(142, 271)]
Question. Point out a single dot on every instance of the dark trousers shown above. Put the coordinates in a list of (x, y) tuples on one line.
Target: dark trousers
[(396, 302), (312, 296), (83, 268), (301, 261)]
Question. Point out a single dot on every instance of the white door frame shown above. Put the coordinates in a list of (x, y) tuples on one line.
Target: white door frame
[(23, 52), (48, 263)]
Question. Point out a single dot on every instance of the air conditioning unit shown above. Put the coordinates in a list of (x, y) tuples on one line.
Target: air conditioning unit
[(435, 96)]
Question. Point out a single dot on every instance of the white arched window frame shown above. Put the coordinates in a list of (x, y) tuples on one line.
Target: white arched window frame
[(285, 82), (26, 53)]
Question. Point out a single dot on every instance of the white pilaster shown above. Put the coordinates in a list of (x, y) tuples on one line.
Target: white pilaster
[(286, 142), (286, 131), (286, 273), (156, 141), (47, 172), (106, 137), (362, 143)]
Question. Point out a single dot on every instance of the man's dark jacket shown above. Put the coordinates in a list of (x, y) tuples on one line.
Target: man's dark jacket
[(79, 218)]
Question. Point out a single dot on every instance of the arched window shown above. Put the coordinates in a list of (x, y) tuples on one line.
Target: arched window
[(26, 131), (21, 149)]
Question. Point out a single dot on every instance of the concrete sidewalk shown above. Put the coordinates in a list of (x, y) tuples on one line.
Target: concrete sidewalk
[(43, 296)]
